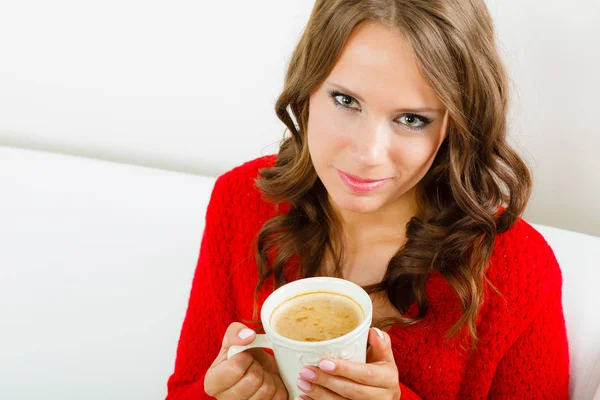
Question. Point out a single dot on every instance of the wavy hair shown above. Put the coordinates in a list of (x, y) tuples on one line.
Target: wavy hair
[(474, 173)]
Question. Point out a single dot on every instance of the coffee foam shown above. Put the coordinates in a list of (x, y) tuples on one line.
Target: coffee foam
[(317, 316)]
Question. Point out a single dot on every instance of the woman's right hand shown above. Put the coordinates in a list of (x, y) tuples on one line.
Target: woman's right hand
[(251, 374)]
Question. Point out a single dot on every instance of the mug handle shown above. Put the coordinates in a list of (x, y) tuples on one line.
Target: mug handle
[(260, 340)]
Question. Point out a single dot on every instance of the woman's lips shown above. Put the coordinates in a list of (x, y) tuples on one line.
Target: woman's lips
[(360, 185)]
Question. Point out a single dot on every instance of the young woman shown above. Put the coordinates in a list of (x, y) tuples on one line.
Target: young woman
[(396, 175)]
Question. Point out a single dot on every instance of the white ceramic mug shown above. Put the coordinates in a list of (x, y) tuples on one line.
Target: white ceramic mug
[(292, 355)]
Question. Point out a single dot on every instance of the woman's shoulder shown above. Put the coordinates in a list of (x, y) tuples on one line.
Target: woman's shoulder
[(523, 259), (239, 183), (235, 194), (523, 240), (243, 176)]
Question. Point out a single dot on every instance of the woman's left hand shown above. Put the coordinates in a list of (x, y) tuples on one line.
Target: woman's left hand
[(337, 379)]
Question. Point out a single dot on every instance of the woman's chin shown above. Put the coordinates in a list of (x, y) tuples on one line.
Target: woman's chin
[(355, 203)]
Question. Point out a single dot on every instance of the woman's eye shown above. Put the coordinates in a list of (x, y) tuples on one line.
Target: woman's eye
[(412, 121), (345, 101)]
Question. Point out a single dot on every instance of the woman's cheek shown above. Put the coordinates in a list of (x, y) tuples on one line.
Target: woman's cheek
[(416, 150), (338, 134)]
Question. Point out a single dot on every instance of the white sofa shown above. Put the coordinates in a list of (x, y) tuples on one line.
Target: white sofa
[(96, 262)]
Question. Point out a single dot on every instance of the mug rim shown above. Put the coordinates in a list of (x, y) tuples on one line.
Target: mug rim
[(276, 337)]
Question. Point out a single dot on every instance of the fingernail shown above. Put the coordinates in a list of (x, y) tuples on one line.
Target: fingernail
[(302, 384), (308, 374), (379, 333), (327, 365), (245, 333)]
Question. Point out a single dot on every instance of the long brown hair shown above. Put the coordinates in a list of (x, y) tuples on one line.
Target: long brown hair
[(474, 172)]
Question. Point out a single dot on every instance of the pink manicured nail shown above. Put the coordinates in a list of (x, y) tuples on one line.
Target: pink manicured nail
[(308, 374), (302, 384), (327, 365), (245, 333), (379, 333)]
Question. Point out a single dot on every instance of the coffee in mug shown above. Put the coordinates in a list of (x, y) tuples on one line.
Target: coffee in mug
[(321, 297), (316, 316)]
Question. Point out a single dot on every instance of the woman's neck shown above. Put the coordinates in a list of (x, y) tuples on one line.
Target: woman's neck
[(384, 226)]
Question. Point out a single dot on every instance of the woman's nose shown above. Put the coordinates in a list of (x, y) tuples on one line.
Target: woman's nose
[(370, 147)]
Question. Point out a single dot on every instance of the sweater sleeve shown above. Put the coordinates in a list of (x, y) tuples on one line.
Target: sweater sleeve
[(208, 315), (536, 366), (407, 394)]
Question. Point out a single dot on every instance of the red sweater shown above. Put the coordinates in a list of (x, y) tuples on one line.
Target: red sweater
[(522, 352)]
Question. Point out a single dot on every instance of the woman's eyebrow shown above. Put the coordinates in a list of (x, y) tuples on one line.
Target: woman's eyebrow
[(403, 109)]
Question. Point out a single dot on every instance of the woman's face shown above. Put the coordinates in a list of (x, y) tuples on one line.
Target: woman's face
[(374, 126)]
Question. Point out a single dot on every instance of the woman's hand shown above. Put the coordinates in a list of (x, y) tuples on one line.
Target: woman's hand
[(249, 374), (337, 379)]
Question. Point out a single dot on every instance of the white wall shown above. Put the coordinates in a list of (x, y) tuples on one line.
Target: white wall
[(552, 50), (190, 86), (186, 85)]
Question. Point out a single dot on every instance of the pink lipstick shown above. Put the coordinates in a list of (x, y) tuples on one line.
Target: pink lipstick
[(360, 185)]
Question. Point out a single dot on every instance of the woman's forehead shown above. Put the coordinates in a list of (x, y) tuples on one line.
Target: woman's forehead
[(378, 62)]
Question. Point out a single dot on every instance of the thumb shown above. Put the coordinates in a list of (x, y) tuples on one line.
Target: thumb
[(381, 347), (237, 334)]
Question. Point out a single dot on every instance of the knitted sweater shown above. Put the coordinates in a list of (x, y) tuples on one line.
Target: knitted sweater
[(522, 351)]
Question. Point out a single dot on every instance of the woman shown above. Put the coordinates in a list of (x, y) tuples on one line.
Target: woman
[(397, 176)]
